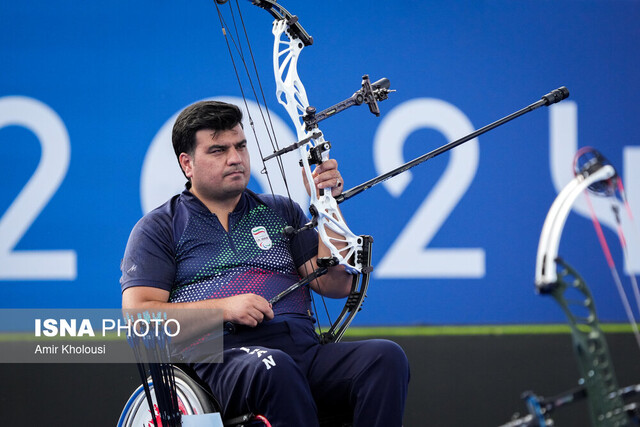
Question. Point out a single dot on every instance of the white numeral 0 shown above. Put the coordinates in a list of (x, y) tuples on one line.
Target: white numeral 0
[(54, 162), (408, 256)]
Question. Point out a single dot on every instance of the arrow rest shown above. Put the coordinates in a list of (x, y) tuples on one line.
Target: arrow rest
[(316, 154)]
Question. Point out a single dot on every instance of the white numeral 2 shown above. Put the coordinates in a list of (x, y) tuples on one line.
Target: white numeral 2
[(52, 168), (408, 256)]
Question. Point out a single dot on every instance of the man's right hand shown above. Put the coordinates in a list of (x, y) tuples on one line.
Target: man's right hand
[(245, 309)]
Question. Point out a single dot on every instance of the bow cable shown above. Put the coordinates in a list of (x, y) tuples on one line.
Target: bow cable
[(238, 47)]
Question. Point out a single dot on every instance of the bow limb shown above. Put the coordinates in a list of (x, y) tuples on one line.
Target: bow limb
[(552, 229), (290, 91)]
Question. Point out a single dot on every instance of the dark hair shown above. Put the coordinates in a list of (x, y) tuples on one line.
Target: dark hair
[(214, 115)]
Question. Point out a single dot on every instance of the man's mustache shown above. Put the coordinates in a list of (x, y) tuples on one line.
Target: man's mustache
[(234, 170)]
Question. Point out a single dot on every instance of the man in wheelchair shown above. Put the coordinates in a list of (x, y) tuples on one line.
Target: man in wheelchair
[(218, 245)]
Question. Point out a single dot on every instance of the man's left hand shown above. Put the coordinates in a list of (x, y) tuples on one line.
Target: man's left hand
[(326, 175)]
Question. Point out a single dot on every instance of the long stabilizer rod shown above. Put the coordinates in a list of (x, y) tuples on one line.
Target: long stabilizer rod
[(548, 99)]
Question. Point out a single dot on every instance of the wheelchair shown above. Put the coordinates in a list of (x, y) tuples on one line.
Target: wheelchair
[(195, 398)]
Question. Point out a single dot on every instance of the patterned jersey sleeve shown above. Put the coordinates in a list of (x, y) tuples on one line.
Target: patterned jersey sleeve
[(149, 256)]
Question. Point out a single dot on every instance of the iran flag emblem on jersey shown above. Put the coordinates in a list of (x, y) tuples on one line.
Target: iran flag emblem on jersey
[(261, 237)]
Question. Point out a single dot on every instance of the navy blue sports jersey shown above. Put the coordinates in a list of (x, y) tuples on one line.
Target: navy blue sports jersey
[(181, 247)]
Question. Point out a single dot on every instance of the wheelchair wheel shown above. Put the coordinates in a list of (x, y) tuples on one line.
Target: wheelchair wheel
[(192, 400)]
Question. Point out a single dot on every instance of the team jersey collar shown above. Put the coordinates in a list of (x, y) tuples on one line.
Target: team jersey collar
[(193, 202)]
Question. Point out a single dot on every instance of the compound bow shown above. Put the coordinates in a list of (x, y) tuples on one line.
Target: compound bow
[(349, 250)]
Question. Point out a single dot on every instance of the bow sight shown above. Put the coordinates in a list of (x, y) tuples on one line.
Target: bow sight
[(370, 94)]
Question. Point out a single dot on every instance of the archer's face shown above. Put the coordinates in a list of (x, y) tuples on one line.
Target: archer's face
[(219, 167)]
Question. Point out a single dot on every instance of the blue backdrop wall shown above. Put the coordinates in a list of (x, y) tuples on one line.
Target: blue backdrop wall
[(88, 92)]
